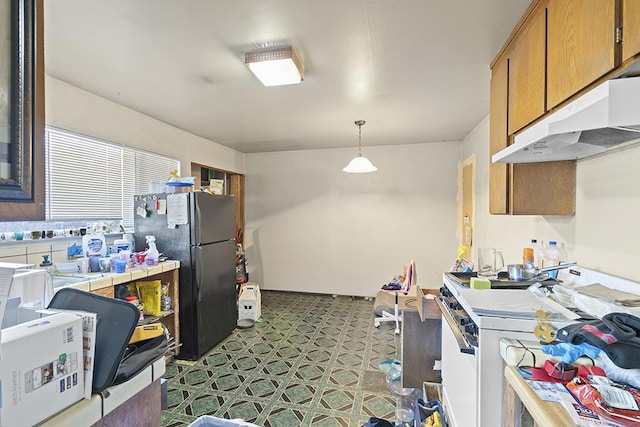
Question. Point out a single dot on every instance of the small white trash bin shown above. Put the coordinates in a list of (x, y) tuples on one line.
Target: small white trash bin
[(249, 301)]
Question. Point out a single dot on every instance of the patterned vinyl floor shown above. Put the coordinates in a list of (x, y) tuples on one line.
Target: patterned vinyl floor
[(312, 361)]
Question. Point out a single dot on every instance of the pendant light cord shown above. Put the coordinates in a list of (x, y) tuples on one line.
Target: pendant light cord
[(359, 123)]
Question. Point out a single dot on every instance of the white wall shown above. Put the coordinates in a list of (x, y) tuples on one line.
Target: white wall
[(313, 228), (76, 110), (604, 234)]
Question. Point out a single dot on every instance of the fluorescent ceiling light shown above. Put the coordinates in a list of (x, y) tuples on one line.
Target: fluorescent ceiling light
[(360, 164), (275, 67)]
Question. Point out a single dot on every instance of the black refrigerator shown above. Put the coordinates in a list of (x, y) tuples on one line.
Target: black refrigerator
[(197, 229)]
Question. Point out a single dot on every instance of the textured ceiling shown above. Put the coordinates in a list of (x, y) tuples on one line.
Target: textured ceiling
[(416, 70)]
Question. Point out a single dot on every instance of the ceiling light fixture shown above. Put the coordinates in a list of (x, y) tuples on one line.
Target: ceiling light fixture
[(360, 164), (275, 67)]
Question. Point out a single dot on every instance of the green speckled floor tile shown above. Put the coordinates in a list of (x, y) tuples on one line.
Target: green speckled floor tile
[(303, 364)]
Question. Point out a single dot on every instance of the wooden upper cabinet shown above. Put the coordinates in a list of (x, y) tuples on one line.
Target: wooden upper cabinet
[(527, 62), (630, 28), (547, 188), (580, 45), (517, 99), (498, 179)]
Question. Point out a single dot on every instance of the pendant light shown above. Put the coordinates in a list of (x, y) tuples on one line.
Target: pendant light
[(360, 164)]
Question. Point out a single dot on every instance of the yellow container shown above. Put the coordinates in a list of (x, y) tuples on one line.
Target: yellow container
[(146, 332)]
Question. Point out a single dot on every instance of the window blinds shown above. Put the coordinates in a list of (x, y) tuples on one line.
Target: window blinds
[(89, 178)]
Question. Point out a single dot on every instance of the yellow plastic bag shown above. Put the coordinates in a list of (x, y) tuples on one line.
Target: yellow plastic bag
[(149, 293)]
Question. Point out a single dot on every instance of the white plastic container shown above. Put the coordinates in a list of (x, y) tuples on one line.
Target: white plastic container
[(94, 245), (129, 238), (121, 245)]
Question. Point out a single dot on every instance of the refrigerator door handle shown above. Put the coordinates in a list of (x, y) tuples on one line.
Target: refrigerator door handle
[(199, 219), (198, 274)]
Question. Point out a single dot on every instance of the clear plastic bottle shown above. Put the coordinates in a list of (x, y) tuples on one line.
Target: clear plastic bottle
[(564, 256), (538, 252), (551, 258)]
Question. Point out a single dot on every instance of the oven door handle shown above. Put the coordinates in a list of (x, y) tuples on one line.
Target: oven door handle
[(462, 343)]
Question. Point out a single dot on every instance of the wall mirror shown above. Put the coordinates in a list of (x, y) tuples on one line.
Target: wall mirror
[(21, 110)]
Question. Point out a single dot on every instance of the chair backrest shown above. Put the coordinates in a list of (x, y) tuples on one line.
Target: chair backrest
[(410, 278)]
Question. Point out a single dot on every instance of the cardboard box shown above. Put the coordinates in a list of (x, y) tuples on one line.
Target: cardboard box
[(426, 304), (41, 368), (249, 301)]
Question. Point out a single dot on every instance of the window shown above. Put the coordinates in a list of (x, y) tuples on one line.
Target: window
[(89, 178)]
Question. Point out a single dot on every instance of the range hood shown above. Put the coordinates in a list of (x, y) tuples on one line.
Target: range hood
[(604, 118)]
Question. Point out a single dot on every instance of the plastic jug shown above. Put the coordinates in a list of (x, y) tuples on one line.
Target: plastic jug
[(94, 245)]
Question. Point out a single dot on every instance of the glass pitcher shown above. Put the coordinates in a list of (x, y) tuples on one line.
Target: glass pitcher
[(490, 261)]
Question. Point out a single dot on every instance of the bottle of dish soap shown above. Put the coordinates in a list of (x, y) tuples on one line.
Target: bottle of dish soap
[(152, 252)]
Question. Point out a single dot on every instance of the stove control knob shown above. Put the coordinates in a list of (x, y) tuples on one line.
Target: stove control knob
[(455, 305), (465, 321), (471, 328), (445, 292)]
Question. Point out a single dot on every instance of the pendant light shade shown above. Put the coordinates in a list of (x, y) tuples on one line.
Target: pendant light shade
[(360, 164)]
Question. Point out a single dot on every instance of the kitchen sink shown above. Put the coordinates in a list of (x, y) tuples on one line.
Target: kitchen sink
[(62, 281)]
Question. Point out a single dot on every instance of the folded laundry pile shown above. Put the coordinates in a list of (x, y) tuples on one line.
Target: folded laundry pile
[(617, 334)]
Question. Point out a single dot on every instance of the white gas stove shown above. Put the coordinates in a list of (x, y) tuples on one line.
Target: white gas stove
[(476, 320)]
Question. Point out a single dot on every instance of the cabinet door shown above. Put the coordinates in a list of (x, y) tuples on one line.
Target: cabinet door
[(498, 179), (527, 73), (547, 188), (580, 45), (630, 28)]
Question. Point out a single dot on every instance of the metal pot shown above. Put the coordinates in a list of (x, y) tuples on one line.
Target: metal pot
[(519, 272)]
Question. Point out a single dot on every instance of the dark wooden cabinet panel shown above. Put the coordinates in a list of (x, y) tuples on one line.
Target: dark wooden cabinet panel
[(421, 347)]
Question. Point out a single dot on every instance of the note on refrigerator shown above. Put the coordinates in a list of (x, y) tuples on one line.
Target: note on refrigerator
[(177, 209)]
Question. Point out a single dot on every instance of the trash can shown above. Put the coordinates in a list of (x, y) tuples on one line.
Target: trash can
[(249, 302)]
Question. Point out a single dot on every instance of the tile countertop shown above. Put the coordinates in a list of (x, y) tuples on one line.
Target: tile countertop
[(95, 281), (87, 412)]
